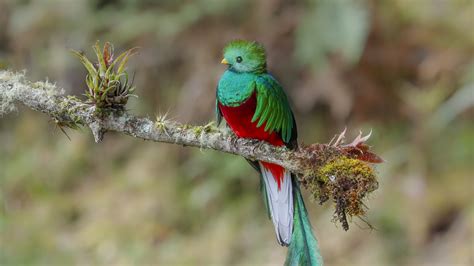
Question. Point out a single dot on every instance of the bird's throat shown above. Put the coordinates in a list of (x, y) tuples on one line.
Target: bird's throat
[(235, 88)]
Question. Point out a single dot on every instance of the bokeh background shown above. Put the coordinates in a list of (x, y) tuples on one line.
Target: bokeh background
[(403, 68)]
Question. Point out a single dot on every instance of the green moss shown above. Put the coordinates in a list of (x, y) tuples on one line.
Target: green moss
[(210, 127), (66, 115), (346, 181), (351, 168), (73, 98), (197, 130)]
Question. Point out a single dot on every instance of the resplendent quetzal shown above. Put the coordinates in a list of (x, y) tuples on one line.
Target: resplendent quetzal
[(254, 105)]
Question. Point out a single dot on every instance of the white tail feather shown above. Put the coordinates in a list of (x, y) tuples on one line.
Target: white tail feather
[(280, 203)]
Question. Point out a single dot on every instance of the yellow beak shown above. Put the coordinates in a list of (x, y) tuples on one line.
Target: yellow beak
[(224, 61)]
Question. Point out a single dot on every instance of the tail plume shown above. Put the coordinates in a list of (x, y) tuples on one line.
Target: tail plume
[(278, 195), (303, 249)]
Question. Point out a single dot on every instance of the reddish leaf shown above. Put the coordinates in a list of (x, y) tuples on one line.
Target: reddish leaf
[(362, 152), (108, 54)]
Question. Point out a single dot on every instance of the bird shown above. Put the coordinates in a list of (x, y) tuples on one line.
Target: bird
[(255, 106)]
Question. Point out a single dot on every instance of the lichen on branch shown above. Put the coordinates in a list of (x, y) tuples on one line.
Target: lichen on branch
[(334, 171)]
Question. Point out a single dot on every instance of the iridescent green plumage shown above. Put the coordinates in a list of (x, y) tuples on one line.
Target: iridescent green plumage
[(273, 108), (255, 106), (303, 249), (252, 54)]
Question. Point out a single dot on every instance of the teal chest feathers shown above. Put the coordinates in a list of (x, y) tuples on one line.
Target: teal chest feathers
[(235, 88)]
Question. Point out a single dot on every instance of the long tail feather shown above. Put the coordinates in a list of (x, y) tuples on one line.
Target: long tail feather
[(303, 249), (263, 191), (279, 201)]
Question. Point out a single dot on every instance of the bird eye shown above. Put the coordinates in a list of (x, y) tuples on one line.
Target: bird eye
[(238, 59)]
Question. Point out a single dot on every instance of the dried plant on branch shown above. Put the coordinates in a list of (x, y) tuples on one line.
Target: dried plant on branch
[(342, 173)]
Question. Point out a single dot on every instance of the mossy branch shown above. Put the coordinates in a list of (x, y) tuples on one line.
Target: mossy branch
[(321, 167)]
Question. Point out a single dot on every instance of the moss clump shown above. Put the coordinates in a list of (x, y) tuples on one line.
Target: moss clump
[(209, 127), (346, 181), (66, 116), (197, 130)]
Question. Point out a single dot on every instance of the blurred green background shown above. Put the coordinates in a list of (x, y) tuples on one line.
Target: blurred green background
[(403, 68)]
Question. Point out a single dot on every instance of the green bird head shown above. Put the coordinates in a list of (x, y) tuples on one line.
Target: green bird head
[(245, 56)]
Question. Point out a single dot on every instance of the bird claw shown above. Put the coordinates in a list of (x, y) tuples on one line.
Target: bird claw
[(255, 142), (233, 140)]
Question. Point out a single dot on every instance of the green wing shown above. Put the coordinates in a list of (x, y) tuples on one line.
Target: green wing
[(273, 109)]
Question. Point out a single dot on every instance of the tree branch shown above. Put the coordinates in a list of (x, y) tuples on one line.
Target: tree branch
[(46, 98), (309, 162)]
